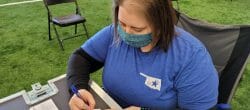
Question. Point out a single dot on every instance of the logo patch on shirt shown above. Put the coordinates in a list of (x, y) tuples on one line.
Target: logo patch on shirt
[(151, 82)]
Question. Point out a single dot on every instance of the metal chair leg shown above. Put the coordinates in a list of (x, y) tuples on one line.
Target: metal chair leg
[(75, 28), (85, 29), (58, 38), (49, 29)]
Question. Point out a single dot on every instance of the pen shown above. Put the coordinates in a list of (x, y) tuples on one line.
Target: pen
[(75, 91)]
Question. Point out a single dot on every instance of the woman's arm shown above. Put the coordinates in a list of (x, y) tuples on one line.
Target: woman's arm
[(197, 82), (80, 65)]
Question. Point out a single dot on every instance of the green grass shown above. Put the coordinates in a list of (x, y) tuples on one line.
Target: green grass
[(218, 11), (27, 57), (11, 1)]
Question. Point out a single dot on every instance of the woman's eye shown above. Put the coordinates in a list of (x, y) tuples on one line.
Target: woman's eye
[(122, 24), (137, 30)]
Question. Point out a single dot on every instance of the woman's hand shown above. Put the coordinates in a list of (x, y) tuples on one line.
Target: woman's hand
[(86, 102), (132, 108)]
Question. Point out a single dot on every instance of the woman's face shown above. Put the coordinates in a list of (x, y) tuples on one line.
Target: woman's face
[(132, 19)]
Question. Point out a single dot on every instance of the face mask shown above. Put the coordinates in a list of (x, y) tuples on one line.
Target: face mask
[(134, 40)]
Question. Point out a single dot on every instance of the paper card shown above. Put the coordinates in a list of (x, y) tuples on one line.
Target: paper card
[(46, 105)]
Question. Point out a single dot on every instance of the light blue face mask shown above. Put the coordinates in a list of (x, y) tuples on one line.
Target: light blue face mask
[(135, 40)]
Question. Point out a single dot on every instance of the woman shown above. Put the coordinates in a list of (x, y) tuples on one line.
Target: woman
[(148, 62)]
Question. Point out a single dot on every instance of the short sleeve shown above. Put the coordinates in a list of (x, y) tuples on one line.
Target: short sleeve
[(197, 83), (97, 46)]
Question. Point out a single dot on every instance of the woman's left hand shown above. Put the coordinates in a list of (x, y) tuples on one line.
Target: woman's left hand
[(132, 108)]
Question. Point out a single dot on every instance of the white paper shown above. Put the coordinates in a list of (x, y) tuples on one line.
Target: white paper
[(46, 105)]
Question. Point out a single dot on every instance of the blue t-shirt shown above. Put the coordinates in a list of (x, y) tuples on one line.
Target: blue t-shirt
[(183, 76)]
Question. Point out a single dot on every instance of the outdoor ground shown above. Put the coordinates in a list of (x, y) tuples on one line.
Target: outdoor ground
[(27, 57)]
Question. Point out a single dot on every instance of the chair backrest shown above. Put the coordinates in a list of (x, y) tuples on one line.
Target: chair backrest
[(229, 47), (54, 2), (48, 3)]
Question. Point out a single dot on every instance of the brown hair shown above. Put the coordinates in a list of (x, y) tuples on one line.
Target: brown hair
[(159, 13)]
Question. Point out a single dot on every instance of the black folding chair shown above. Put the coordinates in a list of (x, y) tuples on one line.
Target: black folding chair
[(229, 47), (64, 21)]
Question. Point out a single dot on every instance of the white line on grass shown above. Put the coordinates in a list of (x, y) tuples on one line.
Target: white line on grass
[(16, 3)]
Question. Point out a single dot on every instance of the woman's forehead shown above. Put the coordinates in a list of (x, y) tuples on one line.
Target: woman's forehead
[(132, 16)]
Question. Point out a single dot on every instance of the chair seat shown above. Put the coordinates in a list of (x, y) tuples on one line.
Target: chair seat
[(68, 20)]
